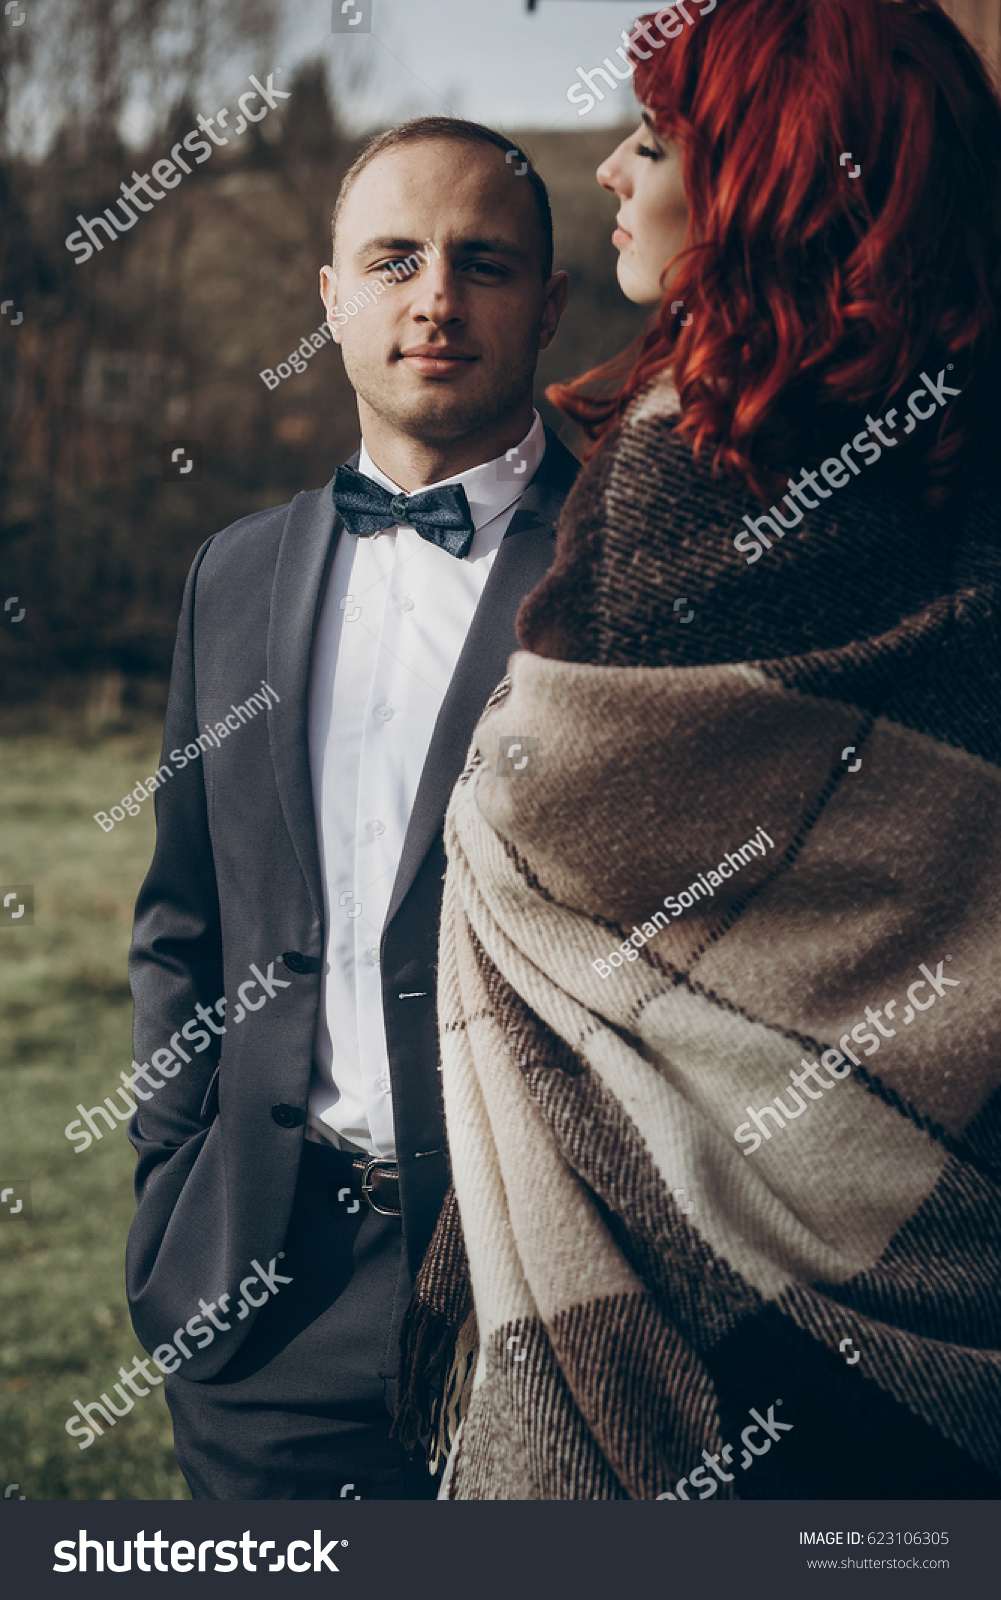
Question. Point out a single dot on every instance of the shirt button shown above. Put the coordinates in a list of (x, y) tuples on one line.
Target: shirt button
[(373, 955), (384, 1084), (384, 712), (404, 602), (376, 828)]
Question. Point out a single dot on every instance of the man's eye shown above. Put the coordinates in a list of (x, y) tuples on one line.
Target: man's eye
[(488, 267)]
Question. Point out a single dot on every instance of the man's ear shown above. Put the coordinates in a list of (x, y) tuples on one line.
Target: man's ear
[(328, 294), (557, 293)]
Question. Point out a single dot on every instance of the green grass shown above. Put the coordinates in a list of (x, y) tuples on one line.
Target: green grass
[(65, 1033)]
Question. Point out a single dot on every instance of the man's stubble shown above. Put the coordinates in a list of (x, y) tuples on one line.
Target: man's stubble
[(437, 413)]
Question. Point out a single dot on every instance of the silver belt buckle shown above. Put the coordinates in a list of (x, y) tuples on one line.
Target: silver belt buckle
[(366, 1185)]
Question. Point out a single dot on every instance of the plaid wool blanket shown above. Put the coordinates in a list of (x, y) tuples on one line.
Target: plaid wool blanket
[(721, 1045)]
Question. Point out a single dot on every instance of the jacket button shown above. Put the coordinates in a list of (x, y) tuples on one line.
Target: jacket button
[(288, 1116), (297, 962)]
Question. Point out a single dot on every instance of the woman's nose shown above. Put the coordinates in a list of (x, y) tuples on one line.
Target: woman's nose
[(604, 176), (610, 174)]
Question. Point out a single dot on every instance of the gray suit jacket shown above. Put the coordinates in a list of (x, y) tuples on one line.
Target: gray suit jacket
[(235, 883)]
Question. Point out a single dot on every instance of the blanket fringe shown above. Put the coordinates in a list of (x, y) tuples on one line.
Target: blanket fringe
[(437, 1336), (427, 1348)]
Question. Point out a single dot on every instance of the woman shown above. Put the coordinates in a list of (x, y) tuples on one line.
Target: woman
[(720, 1052)]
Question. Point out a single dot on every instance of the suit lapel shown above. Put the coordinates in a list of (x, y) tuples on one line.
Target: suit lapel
[(523, 559), (307, 546)]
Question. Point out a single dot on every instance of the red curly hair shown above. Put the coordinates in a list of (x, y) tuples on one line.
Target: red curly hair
[(815, 296)]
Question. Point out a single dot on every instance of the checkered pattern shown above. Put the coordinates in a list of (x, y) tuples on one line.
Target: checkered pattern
[(602, 1337)]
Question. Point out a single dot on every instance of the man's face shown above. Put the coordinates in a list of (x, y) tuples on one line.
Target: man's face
[(447, 344)]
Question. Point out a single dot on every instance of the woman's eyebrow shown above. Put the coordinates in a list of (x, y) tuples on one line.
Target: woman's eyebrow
[(648, 120)]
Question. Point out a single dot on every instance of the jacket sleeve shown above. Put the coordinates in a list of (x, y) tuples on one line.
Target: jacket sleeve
[(175, 961)]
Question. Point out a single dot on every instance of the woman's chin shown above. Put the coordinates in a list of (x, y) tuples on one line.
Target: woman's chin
[(637, 288)]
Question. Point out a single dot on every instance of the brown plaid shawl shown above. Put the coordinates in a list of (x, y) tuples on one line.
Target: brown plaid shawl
[(729, 1206)]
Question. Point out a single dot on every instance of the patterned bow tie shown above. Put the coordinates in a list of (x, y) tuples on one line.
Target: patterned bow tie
[(442, 516)]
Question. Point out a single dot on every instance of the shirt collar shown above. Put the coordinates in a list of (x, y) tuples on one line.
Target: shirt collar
[(491, 487)]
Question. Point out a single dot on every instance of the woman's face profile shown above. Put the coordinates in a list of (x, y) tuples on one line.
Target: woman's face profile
[(645, 172)]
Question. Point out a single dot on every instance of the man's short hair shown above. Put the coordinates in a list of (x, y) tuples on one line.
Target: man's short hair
[(466, 133)]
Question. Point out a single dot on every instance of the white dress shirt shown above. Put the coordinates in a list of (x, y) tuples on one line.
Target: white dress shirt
[(393, 620)]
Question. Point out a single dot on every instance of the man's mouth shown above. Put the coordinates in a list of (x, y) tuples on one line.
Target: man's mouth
[(437, 361)]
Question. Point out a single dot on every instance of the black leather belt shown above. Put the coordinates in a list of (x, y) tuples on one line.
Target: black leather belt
[(380, 1184)]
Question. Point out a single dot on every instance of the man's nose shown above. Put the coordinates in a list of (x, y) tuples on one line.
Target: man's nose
[(438, 298)]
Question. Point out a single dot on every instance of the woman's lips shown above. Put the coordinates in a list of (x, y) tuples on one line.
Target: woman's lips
[(620, 238)]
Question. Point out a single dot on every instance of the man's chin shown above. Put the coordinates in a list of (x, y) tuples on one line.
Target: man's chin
[(423, 387), (438, 414)]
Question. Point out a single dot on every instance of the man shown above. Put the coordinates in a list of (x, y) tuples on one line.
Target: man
[(292, 1156)]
